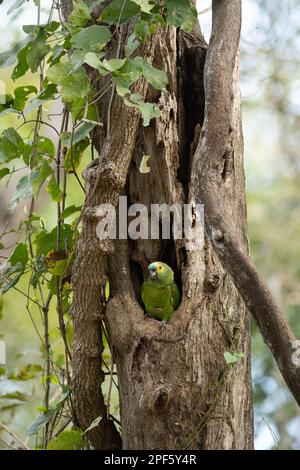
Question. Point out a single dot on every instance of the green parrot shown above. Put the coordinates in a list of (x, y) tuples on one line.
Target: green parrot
[(160, 294)]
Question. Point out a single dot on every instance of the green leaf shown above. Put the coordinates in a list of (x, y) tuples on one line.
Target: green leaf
[(52, 26), (93, 3), (92, 59), (11, 145), (32, 155), (10, 275), (8, 106), (41, 175), (54, 190), (23, 191), (148, 110), (144, 168), (157, 78), (107, 290), (40, 422), (41, 99), (65, 138), (46, 241), (56, 262), (35, 29), (145, 5), (113, 64), (77, 59), (181, 13), (37, 51), (80, 14), (119, 11), (45, 146), (40, 269), (65, 394), (122, 91), (22, 65), (21, 93), (231, 358), (70, 211), (67, 440), (20, 255), (51, 378), (58, 73), (57, 53), (91, 39), (131, 71), (12, 136), (142, 30), (132, 45), (9, 57), (81, 132), (75, 154), (75, 85), (49, 93), (4, 172)]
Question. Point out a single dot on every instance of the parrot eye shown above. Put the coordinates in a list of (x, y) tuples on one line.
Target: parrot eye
[(160, 268)]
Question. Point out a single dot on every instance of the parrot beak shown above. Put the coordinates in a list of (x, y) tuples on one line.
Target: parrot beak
[(153, 274)]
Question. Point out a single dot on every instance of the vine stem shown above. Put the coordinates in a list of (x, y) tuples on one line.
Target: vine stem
[(62, 326)]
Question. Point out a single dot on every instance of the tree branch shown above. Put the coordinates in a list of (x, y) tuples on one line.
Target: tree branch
[(209, 175)]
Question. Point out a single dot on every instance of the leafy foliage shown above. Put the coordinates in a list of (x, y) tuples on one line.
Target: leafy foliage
[(68, 440), (232, 358), (58, 67), (181, 14)]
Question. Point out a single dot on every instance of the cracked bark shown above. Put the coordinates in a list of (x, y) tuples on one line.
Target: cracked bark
[(175, 388)]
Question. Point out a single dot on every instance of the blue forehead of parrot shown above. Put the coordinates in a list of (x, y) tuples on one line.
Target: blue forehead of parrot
[(152, 267)]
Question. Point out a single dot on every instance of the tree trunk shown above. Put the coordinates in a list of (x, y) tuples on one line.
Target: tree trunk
[(176, 389)]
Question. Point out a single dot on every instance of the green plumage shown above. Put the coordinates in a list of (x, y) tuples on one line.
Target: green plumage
[(160, 294)]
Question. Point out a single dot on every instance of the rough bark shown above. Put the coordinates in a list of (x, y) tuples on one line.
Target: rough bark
[(176, 390)]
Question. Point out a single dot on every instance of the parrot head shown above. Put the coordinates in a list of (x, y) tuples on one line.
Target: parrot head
[(160, 272)]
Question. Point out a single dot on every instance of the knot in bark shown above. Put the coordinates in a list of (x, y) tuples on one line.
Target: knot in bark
[(95, 213), (159, 398), (212, 282), (217, 235)]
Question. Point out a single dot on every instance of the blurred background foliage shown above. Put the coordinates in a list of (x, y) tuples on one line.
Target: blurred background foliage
[(270, 83), (270, 79)]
